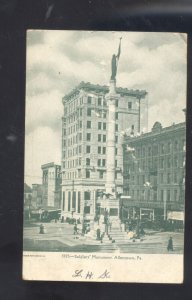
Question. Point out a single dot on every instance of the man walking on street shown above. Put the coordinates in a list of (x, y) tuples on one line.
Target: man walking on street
[(170, 244), (75, 229)]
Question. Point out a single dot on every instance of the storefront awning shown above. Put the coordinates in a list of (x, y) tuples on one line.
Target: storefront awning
[(175, 215)]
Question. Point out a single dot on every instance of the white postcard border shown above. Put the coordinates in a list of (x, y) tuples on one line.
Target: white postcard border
[(103, 267)]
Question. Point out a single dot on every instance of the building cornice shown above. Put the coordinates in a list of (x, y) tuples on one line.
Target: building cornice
[(49, 165), (153, 134), (103, 89)]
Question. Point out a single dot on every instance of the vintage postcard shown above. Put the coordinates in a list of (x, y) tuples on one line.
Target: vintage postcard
[(104, 190)]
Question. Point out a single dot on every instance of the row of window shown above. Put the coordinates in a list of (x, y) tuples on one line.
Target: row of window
[(75, 127), (161, 179), (77, 102), (72, 163), (72, 152), (161, 163), (148, 195), (71, 106), (100, 101), (72, 129), (78, 138), (101, 126), (96, 112), (101, 150), (129, 104), (160, 149), (77, 162), (78, 174), (78, 150), (75, 115), (101, 162), (101, 138), (100, 174), (102, 113)]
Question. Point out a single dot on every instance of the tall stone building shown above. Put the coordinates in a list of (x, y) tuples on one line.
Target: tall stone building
[(51, 185), (84, 144), (154, 174)]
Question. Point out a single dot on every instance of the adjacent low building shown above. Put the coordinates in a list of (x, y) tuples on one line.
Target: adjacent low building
[(154, 174), (27, 194), (37, 195)]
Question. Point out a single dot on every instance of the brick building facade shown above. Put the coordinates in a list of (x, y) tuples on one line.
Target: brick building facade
[(154, 173)]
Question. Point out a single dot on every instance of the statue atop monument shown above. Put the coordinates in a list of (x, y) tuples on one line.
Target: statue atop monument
[(113, 67), (114, 62)]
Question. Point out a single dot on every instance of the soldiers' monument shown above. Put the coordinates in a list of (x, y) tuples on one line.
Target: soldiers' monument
[(110, 201)]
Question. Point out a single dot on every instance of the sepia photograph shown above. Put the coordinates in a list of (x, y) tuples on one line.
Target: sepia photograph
[(105, 149)]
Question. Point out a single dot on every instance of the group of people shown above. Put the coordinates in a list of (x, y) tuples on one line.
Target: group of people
[(128, 227), (85, 229)]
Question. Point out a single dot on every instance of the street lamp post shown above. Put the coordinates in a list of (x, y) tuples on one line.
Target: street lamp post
[(165, 206)]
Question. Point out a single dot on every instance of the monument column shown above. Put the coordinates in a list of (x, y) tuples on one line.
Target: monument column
[(110, 202), (111, 98)]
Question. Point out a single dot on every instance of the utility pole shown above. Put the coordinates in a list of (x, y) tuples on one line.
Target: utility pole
[(165, 206)]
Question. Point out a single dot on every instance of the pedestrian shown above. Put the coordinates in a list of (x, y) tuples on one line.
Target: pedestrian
[(98, 234), (102, 236), (83, 229), (142, 232), (42, 229), (75, 229), (170, 244)]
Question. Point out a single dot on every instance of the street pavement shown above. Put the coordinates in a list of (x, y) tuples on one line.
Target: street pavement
[(60, 237)]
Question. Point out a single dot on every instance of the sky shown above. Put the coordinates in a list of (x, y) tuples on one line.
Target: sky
[(57, 61)]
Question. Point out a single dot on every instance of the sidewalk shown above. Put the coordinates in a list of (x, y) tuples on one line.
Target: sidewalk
[(60, 237)]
